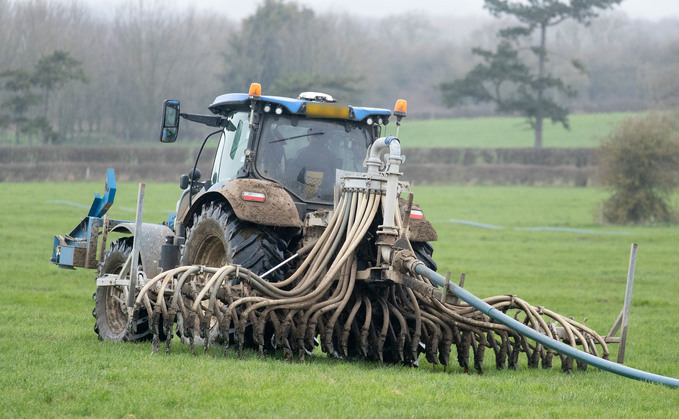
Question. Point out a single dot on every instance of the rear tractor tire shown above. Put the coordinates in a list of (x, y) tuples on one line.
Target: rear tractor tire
[(110, 308), (218, 237)]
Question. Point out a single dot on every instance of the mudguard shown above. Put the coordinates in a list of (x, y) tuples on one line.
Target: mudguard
[(150, 243), (276, 210), (420, 228)]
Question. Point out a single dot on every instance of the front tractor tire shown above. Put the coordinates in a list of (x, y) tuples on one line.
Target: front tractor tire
[(110, 308)]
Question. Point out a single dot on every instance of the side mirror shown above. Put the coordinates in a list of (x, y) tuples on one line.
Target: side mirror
[(170, 125)]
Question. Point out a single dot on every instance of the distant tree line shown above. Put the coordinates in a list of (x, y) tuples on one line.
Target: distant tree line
[(124, 65)]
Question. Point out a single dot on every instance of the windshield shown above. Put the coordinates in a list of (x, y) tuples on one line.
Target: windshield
[(231, 151), (303, 155)]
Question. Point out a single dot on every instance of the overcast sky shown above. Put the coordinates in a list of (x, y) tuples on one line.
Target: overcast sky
[(238, 9), (648, 9)]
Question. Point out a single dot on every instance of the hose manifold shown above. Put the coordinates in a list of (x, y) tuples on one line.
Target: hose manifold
[(403, 259)]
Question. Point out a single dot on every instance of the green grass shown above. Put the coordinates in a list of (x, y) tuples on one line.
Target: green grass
[(52, 365), (587, 130)]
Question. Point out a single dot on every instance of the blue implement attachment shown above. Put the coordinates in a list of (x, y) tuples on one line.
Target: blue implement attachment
[(79, 247), (103, 203)]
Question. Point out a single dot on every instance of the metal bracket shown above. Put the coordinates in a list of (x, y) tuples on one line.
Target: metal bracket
[(134, 265), (446, 287), (392, 275), (623, 317), (111, 280)]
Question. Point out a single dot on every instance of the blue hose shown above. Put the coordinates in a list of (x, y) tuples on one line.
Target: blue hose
[(542, 339)]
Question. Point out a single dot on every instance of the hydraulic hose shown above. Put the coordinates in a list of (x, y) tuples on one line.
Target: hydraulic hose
[(530, 333)]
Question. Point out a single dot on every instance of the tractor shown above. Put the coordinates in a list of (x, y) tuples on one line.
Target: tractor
[(272, 186)]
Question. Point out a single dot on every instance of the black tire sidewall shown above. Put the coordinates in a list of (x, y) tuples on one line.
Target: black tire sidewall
[(205, 229), (255, 247)]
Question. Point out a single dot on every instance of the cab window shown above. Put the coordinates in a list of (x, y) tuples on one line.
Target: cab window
[(304, 155), (230, 155)]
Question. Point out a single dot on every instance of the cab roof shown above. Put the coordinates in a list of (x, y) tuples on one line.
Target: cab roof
[(228, 102)]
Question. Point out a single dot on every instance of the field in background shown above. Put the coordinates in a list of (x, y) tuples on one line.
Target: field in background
[(483, 132), (587, 130), (51, 363)]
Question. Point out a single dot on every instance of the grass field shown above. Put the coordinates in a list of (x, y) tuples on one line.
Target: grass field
[(52, 365), (587, 130)]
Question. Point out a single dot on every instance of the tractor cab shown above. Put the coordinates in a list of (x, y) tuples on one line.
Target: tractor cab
[(300, 144), (301, 154)]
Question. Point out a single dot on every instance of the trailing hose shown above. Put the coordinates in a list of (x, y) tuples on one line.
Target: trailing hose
[(524, 330)]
